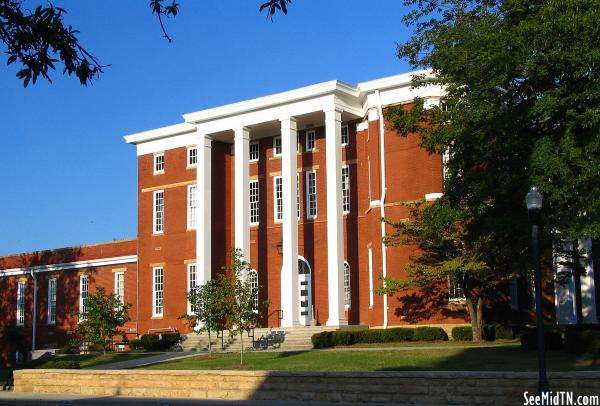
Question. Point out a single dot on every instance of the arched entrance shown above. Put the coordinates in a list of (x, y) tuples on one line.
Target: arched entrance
[(305, 291)]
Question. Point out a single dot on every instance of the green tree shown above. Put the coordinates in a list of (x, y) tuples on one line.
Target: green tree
[(522, 108), (104, 315), (40, 39)]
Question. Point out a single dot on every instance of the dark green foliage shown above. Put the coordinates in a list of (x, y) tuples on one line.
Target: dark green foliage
[(370, 336), (150, 342), (552, 339), (344, 338), (63, 364), (135, 344), (168, 340), (462, 333), (580, 340), (503, 332), (430, 334), (322, 340), (398, 334)]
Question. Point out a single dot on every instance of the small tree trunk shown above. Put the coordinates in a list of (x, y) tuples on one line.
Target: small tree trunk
[(475, 315), (242, 352)]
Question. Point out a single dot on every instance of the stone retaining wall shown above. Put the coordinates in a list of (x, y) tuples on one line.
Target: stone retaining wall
[(456, 388)]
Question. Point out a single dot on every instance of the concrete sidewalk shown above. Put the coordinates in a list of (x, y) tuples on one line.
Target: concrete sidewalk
[(139, 362)]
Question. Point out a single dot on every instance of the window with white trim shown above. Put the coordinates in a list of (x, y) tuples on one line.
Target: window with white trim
[(455, 290), (120, 287), (159, 162), (345, 136), (51, 301), (158, 286), (192, 156), (311, 194), (310, 140), (298, 194), (191, 207), (84, 291), (158, 212), (254, 203), (277, 145), (21, 303), (346, 285), (370, 255), (297, 142), (254, 148), (253, 282), (192, 283), (346, 189), (278, 198)]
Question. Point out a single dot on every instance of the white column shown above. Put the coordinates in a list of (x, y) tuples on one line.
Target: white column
[(203, 208), (289, 274), (335, 234), (242, 194)]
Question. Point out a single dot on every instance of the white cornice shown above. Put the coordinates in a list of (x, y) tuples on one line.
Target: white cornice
[(70, 265), (162, 132)]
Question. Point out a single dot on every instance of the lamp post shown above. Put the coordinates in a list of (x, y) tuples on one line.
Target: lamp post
[(533, 199)]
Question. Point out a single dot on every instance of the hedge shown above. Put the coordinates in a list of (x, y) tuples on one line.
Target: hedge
[(150, 342), (552, 340), (430, 334), (579, 340), (462, 333), (322, 340), (396, 334), (327, 339), (168, 340)]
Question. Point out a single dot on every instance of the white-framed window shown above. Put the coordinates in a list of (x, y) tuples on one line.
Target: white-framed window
[(192, 272), (84, 291), (51, 301), (346, 285), (455, 290), (159, 162), (191, 207), (120, 286), (192, 156), (310, 140), (278, 198), (297, 143), (254, 203), (346, 189), (298, 194), (277, 145), (370, 256), (254, 148), (345, 136), (253, 282), (21, 303), (158, 286), (158, 212), (311, 194)]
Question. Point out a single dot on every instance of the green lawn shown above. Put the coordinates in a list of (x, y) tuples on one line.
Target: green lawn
[(89, 360), (436, 344), (468, 359)]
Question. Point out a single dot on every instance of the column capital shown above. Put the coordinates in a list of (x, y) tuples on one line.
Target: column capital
[(242, 130), (336, 110)]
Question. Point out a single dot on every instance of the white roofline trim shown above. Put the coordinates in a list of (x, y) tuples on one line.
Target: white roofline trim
[(70, 265), (162, 132)]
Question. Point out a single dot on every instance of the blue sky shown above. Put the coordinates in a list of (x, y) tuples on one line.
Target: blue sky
[(69, 178)]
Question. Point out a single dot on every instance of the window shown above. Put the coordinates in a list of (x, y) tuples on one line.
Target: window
[(277, 145), (52, 301), (297, 142), (192, 156), (254, 203), (158, 213), (192, 283), (254, 150), (346, 189), (159, 163), (253, 282), (21, 303), (346, 285), (157, 291), (345, 136), (310, 140), (120, 286), (278, 197), (298, 194), (456, 291), (370, 276), (191, 207), (311, 194), (84, 290)]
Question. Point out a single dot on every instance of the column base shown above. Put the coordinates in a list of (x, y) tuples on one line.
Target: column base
[(336, 323), (290, 324)]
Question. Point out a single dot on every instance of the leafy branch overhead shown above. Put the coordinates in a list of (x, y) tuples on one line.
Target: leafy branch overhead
[(41, 40)]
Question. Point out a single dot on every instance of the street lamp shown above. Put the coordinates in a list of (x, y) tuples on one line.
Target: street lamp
[(533, 199)]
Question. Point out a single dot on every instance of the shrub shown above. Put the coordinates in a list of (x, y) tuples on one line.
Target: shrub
[(503, 332), (552, 340), (135, 344), (429, 334), (322, 340), (370, 336), (397, 334), (150, 342), (64, 364), (463, 333), (579, 341), (168, 340), (344, 338)]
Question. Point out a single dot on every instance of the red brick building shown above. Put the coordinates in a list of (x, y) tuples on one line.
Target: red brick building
[(298, 181)]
